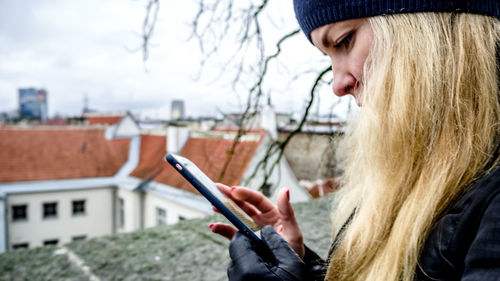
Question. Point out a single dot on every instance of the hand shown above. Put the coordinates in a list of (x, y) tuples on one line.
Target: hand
[(264, 212), (247, 265)]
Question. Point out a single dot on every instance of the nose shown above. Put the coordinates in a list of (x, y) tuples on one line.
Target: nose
[(343, 81)]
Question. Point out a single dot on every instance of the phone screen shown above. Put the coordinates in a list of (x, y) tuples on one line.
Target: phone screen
[(210, 191)]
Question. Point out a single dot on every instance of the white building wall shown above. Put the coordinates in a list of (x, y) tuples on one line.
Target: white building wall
[(131, 210), (127, 127), (3, 226), (173, 209), (96, 221), (282, 175), (177, 136)]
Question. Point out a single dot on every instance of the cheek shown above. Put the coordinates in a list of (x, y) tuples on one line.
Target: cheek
[(357, 68), (359, 63)]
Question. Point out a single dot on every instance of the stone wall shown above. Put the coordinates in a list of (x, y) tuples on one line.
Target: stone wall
[(312, 156)]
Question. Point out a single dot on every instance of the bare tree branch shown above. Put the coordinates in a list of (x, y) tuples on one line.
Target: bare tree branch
[(255, 94), (279, 146), (148, 26), (217, 22)]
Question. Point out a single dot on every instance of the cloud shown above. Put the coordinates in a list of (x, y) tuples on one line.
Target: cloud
[(75, 48)]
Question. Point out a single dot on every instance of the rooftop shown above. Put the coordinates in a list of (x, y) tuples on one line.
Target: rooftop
[(209, 154), (50, 154)]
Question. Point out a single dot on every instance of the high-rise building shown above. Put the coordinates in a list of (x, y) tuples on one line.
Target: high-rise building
[(177, 110), (33, 104)]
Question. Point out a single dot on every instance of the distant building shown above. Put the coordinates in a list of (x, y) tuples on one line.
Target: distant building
[(177, 110), (33, 104)]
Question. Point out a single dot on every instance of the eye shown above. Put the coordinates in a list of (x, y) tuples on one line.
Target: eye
[(344, 42)]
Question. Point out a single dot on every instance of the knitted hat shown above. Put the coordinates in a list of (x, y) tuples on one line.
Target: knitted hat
[(315, 13)]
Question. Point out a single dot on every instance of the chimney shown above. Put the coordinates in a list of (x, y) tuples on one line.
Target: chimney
[(177, 137), (268, 120)]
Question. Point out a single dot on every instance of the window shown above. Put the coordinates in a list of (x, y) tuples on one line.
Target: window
[(161, 216), (20, 246), (121, 208), (78, 207), (19, 212), (50, 242), (49, 210), (79, 238), (181, 218)]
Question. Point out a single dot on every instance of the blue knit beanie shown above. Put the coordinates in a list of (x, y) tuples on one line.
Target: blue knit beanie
[(315, 13)]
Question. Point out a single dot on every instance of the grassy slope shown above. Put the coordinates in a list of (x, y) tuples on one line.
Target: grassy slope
[(185, 251)]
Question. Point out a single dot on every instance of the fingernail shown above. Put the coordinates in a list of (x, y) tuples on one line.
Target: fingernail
[(233, 188), (288, 194), (211, 225)]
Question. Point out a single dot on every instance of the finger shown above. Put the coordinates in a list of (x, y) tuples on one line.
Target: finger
[(285, 208), (246, 207), (261, 202), (215, 209), (226, 190), (223, 229)]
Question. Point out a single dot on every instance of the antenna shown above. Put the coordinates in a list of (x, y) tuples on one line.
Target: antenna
[(85, 102)]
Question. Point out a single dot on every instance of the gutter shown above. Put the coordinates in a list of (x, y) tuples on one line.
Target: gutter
[(141, 188), (133, 157), (4, 235)]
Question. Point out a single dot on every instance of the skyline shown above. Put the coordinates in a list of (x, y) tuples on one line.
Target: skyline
[(76, 50)]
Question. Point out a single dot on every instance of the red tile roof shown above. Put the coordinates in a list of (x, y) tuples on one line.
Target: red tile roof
[(209, 154), (153, 150), (49, 154), (328, 185), (104, 120)]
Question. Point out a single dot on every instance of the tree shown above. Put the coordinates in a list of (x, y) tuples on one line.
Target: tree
[(239, 31)]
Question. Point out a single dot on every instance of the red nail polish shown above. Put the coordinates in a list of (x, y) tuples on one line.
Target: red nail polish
[(288, 194), (211, 225), (233, 188)]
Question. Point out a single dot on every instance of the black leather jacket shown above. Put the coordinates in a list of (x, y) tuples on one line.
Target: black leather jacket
[(463, 245)]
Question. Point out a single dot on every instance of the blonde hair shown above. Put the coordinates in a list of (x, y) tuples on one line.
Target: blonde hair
[(429, 126)]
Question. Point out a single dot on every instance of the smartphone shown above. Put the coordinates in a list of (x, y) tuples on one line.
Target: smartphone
[(209, 190)]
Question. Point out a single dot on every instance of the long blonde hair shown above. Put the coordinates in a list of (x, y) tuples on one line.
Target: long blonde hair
[(429, 126)]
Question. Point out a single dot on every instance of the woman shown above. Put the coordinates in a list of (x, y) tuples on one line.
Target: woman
[(422, 176)]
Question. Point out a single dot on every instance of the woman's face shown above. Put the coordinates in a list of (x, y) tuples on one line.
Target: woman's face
[(348, 44)]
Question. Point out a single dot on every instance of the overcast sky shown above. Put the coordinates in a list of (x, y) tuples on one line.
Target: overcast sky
[(74, 48)]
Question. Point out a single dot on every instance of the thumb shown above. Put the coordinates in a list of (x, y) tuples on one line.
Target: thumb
[(291, 230)]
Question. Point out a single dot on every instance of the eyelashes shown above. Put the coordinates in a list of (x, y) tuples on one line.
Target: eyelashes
[(344, 42)]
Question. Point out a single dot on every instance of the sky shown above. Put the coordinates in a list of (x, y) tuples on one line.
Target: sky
[(76, 49)]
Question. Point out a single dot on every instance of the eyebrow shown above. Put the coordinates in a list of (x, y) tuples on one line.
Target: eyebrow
[(325, 40)]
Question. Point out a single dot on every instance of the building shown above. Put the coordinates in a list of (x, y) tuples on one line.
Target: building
[(33, 104), (177, 110), (64, 183), (61, 184)]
